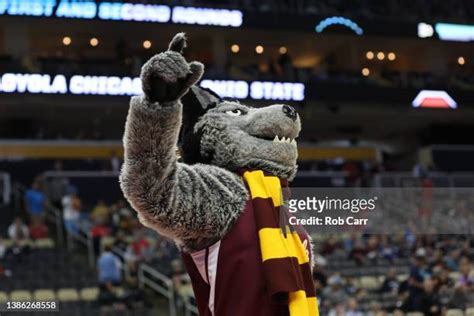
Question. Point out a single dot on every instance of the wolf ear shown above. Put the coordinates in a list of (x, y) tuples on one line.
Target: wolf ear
[(196, 103), (205, 96)]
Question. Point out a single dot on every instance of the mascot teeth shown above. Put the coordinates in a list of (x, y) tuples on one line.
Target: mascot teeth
[(284, 140)]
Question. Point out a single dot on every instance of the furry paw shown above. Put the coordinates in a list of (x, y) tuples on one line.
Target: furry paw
[(167, 76)]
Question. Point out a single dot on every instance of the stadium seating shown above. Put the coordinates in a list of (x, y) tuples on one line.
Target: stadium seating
[(3, 297), (369, 282), (68, 295), (89, 294), (44, 295), (455, 312), (57, 269), (21, 295)]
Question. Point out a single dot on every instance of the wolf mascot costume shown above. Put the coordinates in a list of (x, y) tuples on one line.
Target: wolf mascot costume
[(222, 202)]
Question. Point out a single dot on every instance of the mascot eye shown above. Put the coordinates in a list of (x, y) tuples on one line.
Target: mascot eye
[(235, 112)]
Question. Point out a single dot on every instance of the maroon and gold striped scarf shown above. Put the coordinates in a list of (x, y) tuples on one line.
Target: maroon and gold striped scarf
[(286, 265)]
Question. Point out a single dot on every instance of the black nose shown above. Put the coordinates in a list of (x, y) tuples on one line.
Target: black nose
[(290, 112)]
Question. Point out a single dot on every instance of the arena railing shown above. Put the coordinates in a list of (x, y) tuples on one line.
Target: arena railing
[(190, 308), (167, 290), (147, 276), (439, 179)]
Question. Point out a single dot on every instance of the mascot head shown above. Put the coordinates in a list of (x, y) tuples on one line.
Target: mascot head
[(235, 136)]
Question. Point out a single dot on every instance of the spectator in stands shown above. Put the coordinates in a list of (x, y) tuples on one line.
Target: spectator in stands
[(337, 310), (38, 229), (18, 230), (416, 286), (138, 250), (334, 294), (430, 302), (35, 200), (109, 268), (101, 212), (19, 233), (390, 283), (350, 286), (99, 230), (387, 248), (372, 247), (358, 252), (463, 292), (353, 308), (115, 162), (466, 270), (120, 241), (122, 217), (71, 211)]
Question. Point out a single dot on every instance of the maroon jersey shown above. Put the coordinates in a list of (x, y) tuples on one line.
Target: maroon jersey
[(227, 277)]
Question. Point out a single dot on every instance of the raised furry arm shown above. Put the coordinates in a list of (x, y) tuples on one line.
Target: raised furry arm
[(194, 205)]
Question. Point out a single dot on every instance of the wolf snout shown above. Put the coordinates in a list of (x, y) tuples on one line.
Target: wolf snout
[(290, 112)]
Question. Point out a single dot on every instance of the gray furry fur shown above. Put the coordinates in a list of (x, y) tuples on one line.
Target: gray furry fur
[(196, 205), (168, 74)]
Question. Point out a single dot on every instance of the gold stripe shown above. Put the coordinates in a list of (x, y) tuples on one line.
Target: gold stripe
[(313, 306), (264, 187), (298, 303), (274, 245)]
